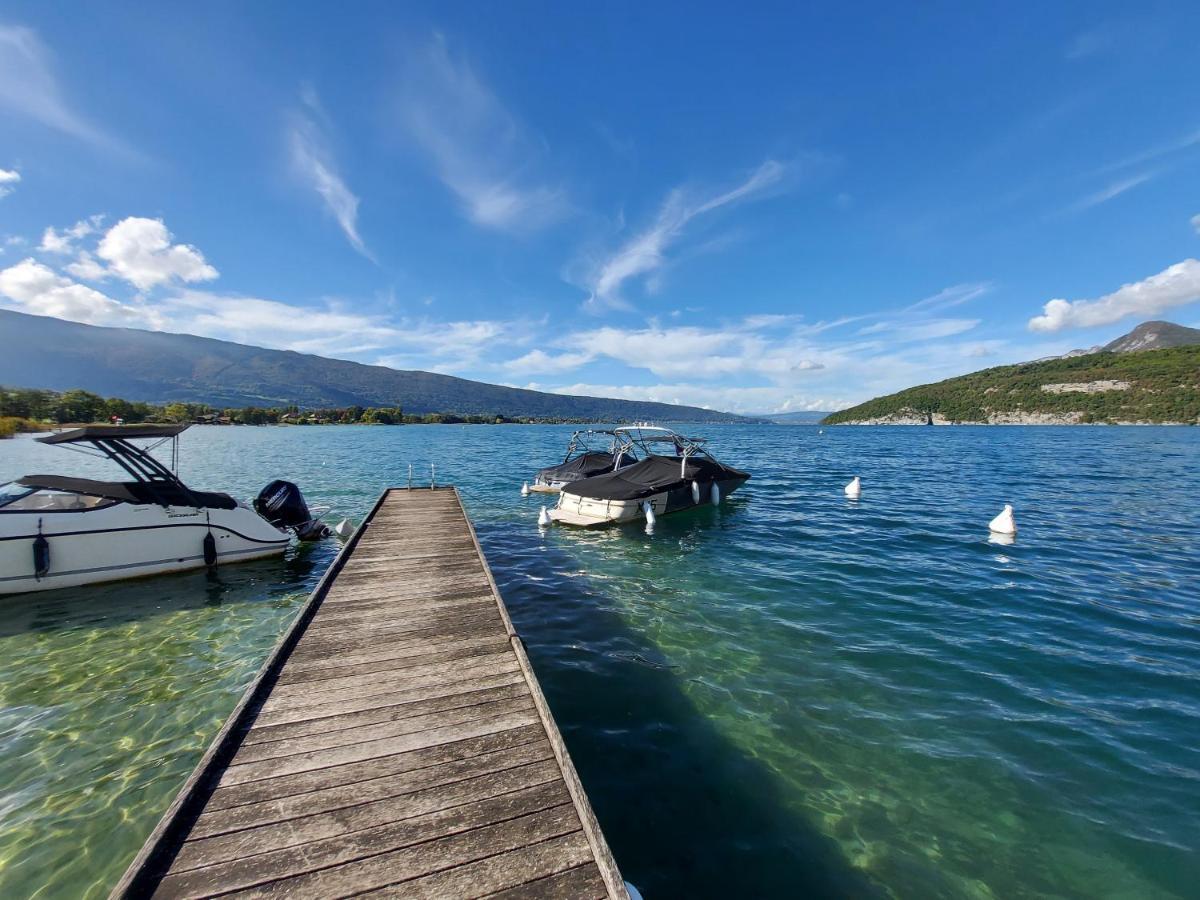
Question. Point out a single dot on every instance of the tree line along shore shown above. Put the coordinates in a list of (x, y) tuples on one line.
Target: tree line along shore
[(34, 410)]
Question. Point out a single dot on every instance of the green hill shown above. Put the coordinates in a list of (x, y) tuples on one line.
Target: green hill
[(1107, 387), (158, 367)]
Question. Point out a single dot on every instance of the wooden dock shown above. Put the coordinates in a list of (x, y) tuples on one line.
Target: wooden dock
[(396, 742)]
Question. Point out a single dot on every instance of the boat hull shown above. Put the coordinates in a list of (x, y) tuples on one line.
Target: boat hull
[(125, 540), (587, 512)]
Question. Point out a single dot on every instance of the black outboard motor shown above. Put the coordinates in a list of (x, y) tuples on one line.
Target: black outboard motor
[(282, 504)]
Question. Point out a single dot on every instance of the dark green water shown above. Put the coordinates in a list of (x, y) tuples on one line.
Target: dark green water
[(792, 695)]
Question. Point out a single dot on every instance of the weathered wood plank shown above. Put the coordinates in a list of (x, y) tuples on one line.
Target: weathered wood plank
[(206, 851), (505, 872), (226, 796), (324, 724), (580, 883), (398, 866), (383, 701), (529, 761), (327, 740), (261, 868)]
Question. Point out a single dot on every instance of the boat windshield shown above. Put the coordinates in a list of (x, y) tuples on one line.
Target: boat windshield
[(18, 498), (656, 441)]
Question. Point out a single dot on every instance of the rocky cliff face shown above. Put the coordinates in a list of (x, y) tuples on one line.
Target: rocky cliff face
[(1154, 336)]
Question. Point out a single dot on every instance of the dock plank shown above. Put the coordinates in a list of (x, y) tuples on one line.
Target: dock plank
[(396, 743)]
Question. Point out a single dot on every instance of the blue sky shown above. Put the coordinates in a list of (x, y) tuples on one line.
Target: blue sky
[(761, 210)]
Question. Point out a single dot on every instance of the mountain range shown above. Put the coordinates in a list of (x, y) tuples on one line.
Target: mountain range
[(160, 367)]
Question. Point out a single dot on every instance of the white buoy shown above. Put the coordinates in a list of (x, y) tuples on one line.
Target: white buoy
[(525, 489), (544, 518), (854, 488), (820, 431), (343, 529), (696, 492), (651, 518), (714, 494), (1004, 523)]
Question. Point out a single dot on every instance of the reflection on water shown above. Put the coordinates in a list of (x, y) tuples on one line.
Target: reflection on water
[(789, 695)]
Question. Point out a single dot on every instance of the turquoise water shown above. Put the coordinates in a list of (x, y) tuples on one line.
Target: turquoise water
[(792, 695)]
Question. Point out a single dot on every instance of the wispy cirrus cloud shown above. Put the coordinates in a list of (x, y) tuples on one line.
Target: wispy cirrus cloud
[(1110, 192), (647, 252), (314, 163), (1177, 285), (29, 88), (479, 150)]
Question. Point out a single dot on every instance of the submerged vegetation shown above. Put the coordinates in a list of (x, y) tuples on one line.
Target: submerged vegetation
[(1160, 386)]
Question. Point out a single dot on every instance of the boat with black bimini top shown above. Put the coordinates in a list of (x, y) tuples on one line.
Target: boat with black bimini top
[(672, 472), (58, 531), (590, 452)]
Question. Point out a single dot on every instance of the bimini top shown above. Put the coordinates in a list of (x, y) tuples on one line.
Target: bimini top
[(90, 433)]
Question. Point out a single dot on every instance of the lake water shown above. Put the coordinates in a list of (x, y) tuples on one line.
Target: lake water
[(791, 695)]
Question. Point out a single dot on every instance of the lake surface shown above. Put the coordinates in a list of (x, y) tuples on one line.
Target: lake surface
[(791, 695)]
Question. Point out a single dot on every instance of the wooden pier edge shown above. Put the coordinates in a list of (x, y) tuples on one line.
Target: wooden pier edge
[(591, 826), (146, 867), (152, 862)]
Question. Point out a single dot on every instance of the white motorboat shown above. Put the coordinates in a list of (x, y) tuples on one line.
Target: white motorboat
[(589, 453), (64, 532), (673, 473)]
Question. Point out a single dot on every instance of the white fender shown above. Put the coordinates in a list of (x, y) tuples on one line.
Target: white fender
[(854, 488), (1004, 523), (525, 489), (714, 494), (343, 529), (648, 509), (696, 492), (543, 518)]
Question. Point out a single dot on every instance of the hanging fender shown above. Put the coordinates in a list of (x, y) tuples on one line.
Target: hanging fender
[(210, 546), (41, 554)]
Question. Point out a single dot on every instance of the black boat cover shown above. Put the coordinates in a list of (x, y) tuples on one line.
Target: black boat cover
[(160, 493), (585, 465), (652, 475)]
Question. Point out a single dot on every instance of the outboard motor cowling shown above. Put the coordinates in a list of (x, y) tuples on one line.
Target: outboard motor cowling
[(282, 504)]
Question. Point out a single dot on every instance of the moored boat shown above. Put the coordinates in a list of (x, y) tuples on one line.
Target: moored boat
[(58, 531), (673, 473)]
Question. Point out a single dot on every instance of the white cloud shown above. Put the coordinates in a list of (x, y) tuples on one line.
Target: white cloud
[(1177, 285), (40, 290), (9, 179), (646, 252), (730, 399), (1196, 223), (1158, 151), (910, 331), (478, 149), (86, 267), (140, 251), (955, 295), (314, 163), (29, 88), (540, 362), (54, 241), (253, 320), (1116, 189)]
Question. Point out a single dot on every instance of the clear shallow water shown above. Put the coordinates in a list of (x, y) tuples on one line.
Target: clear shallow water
[(793, 695)]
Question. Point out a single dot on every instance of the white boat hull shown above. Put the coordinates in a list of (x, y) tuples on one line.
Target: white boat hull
[(124, 540), (575, 509)]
